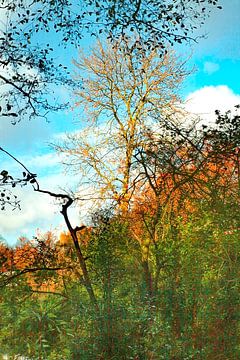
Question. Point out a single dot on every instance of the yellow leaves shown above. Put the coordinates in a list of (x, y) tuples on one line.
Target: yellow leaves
[(24, 256), (65, 239)]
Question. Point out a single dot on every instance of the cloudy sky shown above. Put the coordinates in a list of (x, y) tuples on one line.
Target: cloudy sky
[(214, 85)]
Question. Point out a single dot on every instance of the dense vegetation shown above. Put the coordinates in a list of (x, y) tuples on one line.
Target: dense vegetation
[(164, 273)]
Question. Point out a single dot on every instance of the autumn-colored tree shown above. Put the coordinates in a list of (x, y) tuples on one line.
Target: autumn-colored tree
[(125, 97), (203, 169), (39, 261)]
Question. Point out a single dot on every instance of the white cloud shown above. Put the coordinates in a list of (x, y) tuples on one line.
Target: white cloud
[(205, 101), (38, 211), (210, 67), (43, 162)]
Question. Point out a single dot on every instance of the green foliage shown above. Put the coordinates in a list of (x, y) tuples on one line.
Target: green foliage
[(177, 300), (194, 313)]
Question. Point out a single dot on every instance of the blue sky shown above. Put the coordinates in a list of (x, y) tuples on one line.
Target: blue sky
[(214, 84)]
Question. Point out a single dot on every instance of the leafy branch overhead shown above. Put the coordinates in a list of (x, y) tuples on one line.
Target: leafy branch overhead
[(29, 73), (154, 23), (27, 77)]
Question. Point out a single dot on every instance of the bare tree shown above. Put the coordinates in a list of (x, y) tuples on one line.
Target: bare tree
[(124, 102)]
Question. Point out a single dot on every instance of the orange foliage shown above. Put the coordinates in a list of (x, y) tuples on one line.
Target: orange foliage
[(177, 193), (29, 256), (65, 239), (24, 256), (83, 237)]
